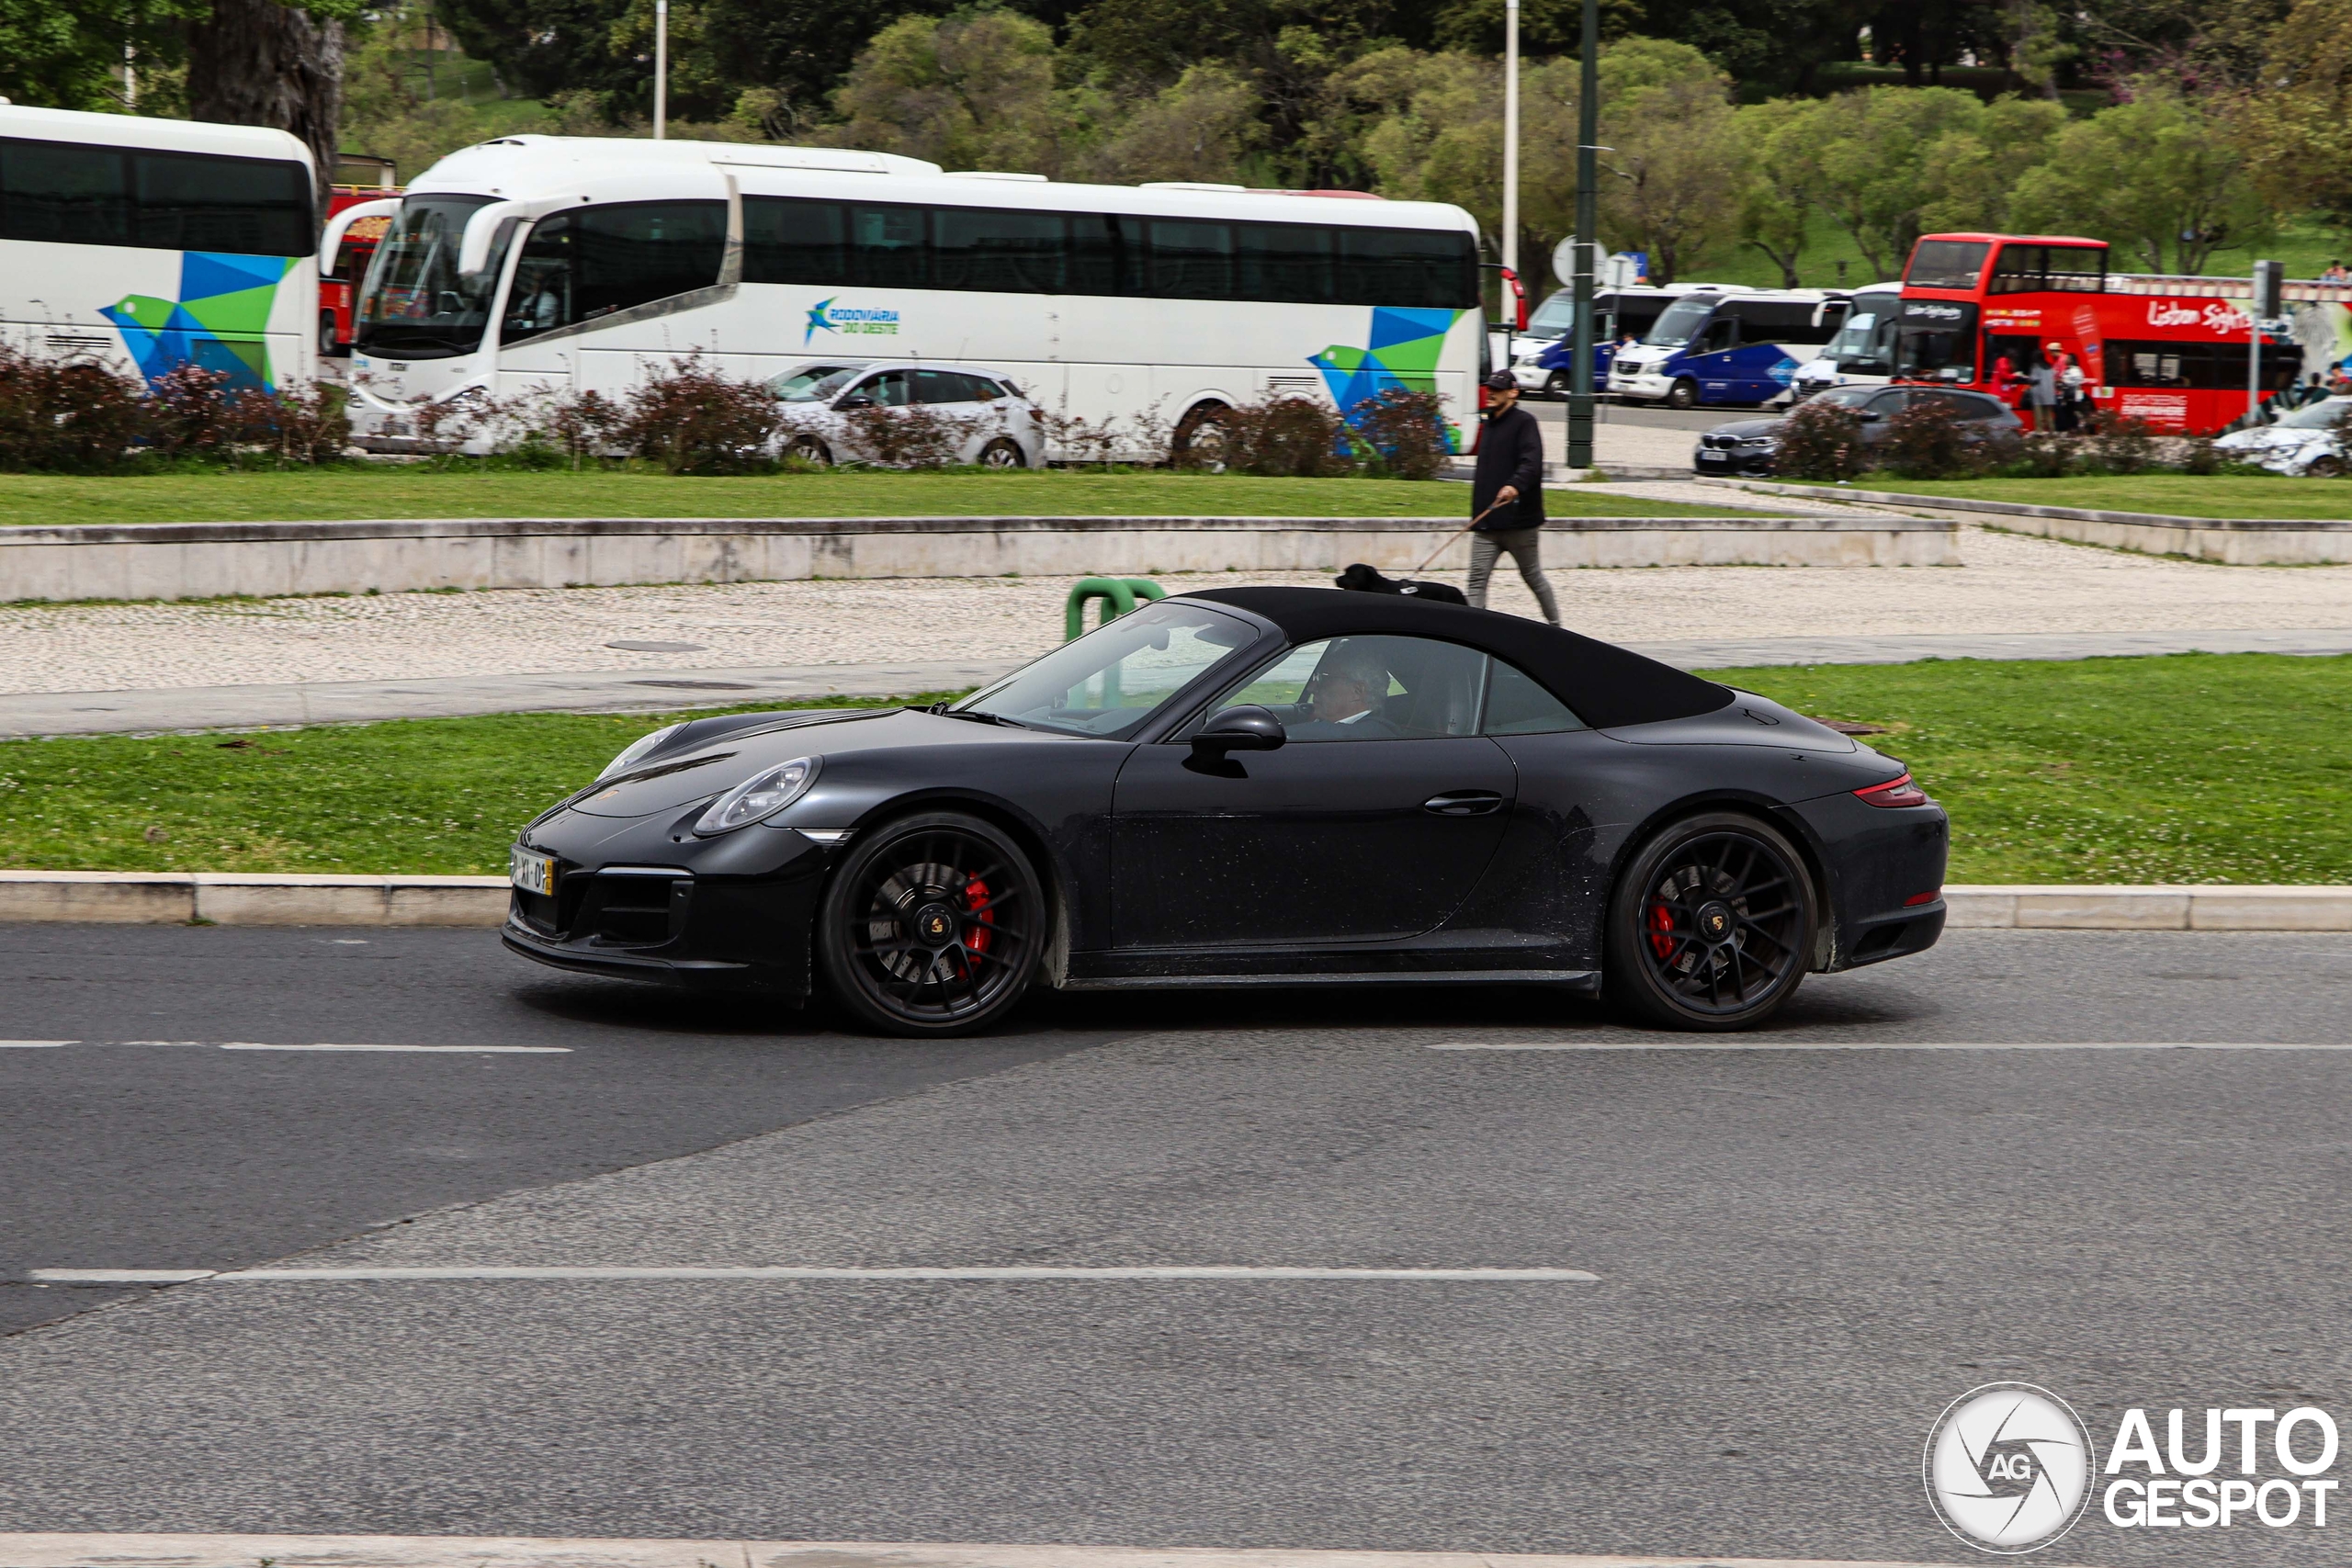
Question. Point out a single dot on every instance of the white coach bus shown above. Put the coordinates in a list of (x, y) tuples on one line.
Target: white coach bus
[(156, 243), (560, 263)]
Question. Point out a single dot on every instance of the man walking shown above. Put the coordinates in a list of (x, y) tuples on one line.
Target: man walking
[(1509, 472)]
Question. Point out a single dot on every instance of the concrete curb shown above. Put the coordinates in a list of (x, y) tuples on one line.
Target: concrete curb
[(2228, 541), (190, 560), (479, 1552), (139, 898)]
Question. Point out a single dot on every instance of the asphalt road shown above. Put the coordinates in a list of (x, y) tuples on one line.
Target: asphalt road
[(1806, 1243), (1653, 417)]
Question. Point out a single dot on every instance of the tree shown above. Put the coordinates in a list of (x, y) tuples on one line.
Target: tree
[(2297, 131), (258, 62), (1865, 158), (1670, 182), (1198, 128), (974, 91), (1775, 209), (2153, 174)]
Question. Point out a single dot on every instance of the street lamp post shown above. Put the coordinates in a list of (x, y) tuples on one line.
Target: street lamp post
[(1587, 241), (661, 68), (1510, 138)]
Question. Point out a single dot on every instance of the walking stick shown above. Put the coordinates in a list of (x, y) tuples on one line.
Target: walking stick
[(1458, 533)]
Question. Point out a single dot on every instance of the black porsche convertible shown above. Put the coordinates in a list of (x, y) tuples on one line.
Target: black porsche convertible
[(1252, 787)]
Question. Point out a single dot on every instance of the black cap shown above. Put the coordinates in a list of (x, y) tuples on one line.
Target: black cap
[(1501, 382)]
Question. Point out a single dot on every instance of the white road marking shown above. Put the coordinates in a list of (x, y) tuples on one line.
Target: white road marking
[(509, 1551), (1713, 1044), (446, 1050), (395, 1275), (34, 1044)]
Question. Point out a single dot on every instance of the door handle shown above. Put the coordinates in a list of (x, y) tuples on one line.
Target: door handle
[(1463, 802)]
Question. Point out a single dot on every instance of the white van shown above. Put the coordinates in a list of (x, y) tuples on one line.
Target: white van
[(1862, 354)]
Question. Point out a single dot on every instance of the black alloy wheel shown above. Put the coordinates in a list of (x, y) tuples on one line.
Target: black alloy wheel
[(932, 926), (1685, 394), (1712, 927), (1002, 453)]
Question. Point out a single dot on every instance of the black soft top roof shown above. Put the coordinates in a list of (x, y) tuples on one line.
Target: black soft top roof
[(1606, 686)]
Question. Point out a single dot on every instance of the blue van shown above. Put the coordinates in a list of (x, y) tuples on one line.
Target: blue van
[(1542, 357), (1727, 348)]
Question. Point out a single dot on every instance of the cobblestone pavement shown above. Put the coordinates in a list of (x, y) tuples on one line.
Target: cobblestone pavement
[(2010, 584)]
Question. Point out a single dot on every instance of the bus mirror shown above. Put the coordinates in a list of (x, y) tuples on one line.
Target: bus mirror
[(331, 239), (483, 231)]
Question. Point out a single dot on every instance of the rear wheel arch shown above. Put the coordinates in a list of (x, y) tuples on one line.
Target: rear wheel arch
[(1714, 937), (1791, 825)]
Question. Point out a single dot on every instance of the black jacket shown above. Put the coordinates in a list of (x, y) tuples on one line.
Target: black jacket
[(1510, 452)]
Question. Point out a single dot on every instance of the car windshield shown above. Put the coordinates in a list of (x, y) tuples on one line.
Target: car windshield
[(1556, 316), (2318, 416), (802, 386), (415, 304), (1680, 324), (1110, 682)]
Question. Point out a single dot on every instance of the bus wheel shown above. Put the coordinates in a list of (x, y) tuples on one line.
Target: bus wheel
[(1002, 453), (1558, 385), (327, 345), (1200, 439), (810, 450), (1684, 396)]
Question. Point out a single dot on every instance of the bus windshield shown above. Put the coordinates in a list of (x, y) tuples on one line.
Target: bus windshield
[(1862, 344), (1680, 324), (1947, 264), (414, 305)]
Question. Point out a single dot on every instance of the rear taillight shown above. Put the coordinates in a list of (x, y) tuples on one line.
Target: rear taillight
[(1893, 794), (1929, 896)]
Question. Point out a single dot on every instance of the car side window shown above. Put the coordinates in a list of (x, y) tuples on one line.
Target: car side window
[(1886, 405), (1370, 688), (889, 389), (1516, 705), (942, 386)]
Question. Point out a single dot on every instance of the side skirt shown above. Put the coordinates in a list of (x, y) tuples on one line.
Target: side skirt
[(1579, 979)]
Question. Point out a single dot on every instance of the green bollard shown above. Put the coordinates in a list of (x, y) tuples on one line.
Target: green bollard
[(1118, 596)]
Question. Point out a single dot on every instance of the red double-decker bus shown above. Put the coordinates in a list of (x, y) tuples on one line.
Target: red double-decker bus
[(2174, 352)]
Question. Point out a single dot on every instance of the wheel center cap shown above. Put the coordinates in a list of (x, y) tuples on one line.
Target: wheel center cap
[(1715, 920), (935, 924)]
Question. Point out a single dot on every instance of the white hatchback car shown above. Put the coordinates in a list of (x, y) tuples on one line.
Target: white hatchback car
[(2309, 440), (991, 422)]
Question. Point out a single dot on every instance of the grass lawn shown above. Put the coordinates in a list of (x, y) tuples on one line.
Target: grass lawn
[(297, 496), (2197, 768), (2179, 495), (2191, 768)]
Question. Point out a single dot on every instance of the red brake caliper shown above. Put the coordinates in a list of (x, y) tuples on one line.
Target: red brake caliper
[(1661, 931), (976, 936)]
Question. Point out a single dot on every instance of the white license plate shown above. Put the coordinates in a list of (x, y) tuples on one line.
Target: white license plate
[(1715, 456), (532, 874)]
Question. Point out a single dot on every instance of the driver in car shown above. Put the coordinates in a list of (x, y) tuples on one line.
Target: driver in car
[(1342, 698)]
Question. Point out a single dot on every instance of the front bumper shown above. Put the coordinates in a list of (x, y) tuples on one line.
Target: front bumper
[(644, 900), (1640, 384)]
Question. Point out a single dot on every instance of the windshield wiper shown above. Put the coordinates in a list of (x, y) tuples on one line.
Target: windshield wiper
[(976, 715)]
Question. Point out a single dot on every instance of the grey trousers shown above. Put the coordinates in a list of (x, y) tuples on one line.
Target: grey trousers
[(1525, 545)]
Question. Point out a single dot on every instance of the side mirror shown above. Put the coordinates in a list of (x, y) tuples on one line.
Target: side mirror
[(860, 401), (1246, 728), (1869, 416)]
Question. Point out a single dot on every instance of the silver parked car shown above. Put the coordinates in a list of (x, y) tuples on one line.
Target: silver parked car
[(988, 420), (2310, 440)]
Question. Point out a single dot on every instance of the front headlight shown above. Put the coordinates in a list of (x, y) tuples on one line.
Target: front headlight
[(636, 749), (759, 796), (1759, 441)]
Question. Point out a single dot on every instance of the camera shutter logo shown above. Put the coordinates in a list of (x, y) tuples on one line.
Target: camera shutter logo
[(2008, 1468)]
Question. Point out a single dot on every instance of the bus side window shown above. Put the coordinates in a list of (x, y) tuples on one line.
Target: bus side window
[(635, 253), (223, 204), (1285, 261), (1414, 269), (75, 195), (1005, 253), (794, 242), (887, 247), (1190, 261), (1105, 254), (541, 299)]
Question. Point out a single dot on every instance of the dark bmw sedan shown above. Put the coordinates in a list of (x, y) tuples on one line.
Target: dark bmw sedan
[(1750, 447), (1253, 786)]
